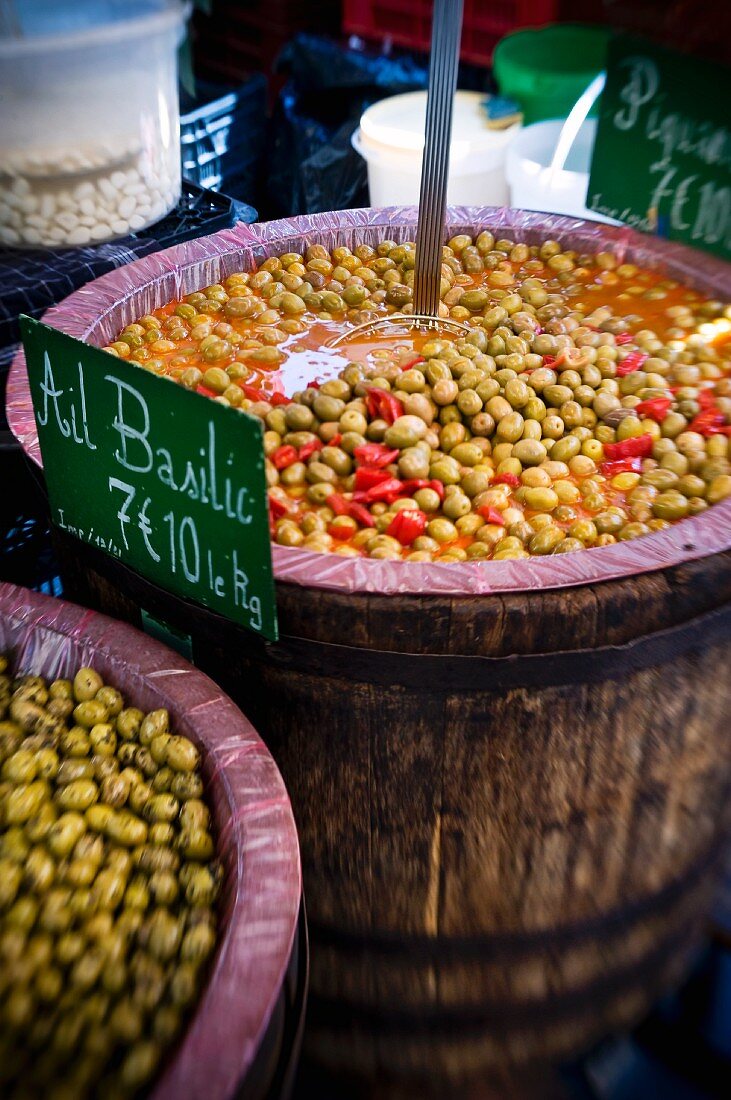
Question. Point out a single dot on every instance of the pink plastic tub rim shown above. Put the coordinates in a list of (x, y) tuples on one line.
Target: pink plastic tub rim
[(99, 310), (256, 830)]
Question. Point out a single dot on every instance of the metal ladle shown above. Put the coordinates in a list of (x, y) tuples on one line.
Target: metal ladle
[(444, 59)]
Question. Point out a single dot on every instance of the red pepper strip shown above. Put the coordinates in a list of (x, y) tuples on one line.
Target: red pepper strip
[(284, 457), (413, 362), (336, 439), (252, 392), (706, 399), (621, 466), (549, 361), (631, 362), (382, 405), (491, 515), (313, 385), (389, 491), (280, 399), (205, 391), (407, 526), (656, 408), (308, 449), (438, 487), (638, 446), (338, 504), (368, 476), (507, 479), (341, 531), (413, 484), (277, 507), (709, 422), (374, 454), (343, 507), (360, 514), (623, 338)]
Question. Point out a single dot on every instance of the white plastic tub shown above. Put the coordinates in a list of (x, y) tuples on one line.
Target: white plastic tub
[(391, 140), (532, 182), (89, 124)]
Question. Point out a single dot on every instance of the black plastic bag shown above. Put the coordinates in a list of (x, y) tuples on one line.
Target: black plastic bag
[(312, 164)]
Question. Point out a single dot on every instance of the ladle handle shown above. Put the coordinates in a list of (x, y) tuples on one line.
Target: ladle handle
[(445, 40)]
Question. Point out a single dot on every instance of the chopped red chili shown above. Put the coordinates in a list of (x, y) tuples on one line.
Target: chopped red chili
[(205, 391), (360, 514), (341, 531), (656, 408), (631, 363), (706, 399), (413, 484), (310, 448), (623, 338), (375, 454), (382, 405), (709, 422), (407, 525), (621, 466), (388, 491), (491, 515), (413, 362), (637, 446), (251, 392), (280, 399), (285, 456), (338, 503), (438, 487), (507, 479), (277, 507), (336, 440), (368, 476)]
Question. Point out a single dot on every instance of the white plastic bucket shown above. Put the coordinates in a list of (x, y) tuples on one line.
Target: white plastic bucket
[(534, 185), (391, 140)]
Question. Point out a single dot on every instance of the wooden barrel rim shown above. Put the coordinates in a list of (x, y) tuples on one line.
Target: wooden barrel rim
[(436, 673)]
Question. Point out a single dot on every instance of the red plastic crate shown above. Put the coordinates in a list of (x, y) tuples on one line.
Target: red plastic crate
[(408, 22)]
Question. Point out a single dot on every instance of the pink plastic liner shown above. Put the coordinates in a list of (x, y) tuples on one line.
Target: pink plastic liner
[(253, 816), (98, 311)]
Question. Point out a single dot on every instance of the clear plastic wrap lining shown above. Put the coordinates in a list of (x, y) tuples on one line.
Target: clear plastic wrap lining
[(256, 832), (98, 311)]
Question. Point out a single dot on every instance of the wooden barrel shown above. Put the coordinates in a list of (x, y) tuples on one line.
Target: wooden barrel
[(511, 808)]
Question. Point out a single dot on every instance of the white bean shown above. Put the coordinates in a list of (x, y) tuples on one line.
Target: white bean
[(67, 220), (127, 206), (80, 235), (107, 188)]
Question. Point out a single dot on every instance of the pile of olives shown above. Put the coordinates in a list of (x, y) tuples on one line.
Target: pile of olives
[(108, 885)]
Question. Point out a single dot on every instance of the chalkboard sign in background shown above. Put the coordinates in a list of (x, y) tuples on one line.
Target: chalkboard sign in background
[(167, 481), (662, 158)]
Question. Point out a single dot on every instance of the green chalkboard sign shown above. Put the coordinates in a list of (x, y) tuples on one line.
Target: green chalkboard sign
[(662, 158), (169, 483)]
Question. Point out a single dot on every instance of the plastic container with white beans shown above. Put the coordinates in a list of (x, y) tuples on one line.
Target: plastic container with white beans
[(89, 127)]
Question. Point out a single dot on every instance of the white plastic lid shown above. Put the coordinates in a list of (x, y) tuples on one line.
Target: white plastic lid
[(399, 122)]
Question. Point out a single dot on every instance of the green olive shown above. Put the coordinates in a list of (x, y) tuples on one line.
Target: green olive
[(87, 682)]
